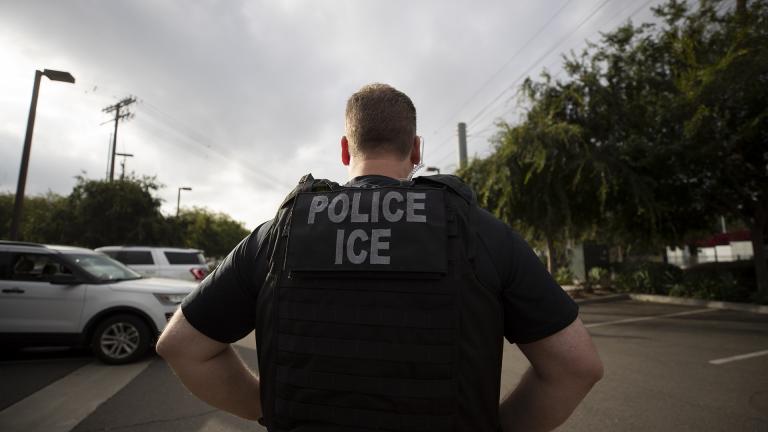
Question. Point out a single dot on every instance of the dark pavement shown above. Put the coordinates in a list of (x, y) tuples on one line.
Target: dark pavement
[(658, 377), (24, 372), (156, 401)]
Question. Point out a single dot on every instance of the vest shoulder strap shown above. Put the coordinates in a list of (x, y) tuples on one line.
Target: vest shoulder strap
[(310, 184), (452, 182)]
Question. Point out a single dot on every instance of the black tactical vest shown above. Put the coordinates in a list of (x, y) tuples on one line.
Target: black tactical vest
[(371, 317)]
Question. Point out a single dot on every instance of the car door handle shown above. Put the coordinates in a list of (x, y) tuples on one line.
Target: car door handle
[(13, 290)]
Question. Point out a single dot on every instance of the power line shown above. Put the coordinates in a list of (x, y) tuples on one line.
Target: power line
[(185, 131), (547, 53), (555, 46), (522, 47), (450, 153), (174, 124), (260, 177), (116, 108), (630, 16), (560, 42)]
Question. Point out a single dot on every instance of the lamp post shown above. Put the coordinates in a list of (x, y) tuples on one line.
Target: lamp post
[(18, 202), (433, 169), (178, 198)]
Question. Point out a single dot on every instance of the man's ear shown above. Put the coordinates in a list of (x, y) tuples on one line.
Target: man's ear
[(344, 151), (416, 150)]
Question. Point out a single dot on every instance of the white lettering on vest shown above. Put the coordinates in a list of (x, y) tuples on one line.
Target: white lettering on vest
[(386, 207), (351, 255), (318, 204), (347, 248), (355, 215), (375, 207), (412, 205), (377, 245), (333, 216)]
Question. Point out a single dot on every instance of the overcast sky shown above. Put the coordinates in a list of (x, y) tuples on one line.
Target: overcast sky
[(239, 99)]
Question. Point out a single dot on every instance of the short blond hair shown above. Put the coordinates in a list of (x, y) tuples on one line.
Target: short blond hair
[(380, 119)]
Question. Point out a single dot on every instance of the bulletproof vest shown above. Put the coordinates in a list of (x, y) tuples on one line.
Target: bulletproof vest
[(361, 323)]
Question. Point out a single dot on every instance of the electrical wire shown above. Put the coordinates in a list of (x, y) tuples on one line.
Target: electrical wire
[(533, 65), (611, 20), (542, 57), (493, 76), (185, 131), (478, 116)]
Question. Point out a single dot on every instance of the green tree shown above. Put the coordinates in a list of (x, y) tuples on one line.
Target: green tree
[(125, 211), (724, 82), (40, 223), (660, 127), (539, 179), (215, 233)]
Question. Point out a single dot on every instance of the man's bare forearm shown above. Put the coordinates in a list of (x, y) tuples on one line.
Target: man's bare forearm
[(537, 404), (222, 381)]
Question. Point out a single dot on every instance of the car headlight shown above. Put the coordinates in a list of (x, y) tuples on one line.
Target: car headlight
[(170, 299)]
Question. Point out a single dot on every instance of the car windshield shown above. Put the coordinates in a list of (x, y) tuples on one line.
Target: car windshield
[(103, 267)]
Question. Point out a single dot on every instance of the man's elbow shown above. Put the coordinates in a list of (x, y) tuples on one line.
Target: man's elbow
[(589, 371), (581, 373), (166, 347), (597, 371), (171, 344), (182, 344)]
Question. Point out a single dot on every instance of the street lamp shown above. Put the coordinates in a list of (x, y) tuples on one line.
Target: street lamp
[(178, 198), (433, 169), (18, 202), (122, 164)]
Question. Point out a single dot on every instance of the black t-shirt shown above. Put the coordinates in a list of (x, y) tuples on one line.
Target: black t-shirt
[(222, 307)]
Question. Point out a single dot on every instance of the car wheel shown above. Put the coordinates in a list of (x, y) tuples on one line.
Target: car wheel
[(121, 339)]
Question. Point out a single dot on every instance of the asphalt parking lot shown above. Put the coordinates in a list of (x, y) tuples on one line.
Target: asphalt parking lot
[(668, 368)]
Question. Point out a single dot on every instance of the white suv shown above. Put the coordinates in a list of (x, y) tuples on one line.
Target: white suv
[(167, 262), (60, 295)]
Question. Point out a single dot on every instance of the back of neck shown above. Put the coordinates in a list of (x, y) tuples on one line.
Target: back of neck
[(397, 169)]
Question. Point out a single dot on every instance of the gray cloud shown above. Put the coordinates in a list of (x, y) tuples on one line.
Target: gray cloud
[(238, 99)]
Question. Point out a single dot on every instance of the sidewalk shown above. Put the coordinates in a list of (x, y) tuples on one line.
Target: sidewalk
[(600, 295)]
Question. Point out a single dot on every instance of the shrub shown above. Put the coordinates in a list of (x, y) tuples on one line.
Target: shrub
[(718, 281), (598, 276), (732, 281), (646, 277), (564, 276)]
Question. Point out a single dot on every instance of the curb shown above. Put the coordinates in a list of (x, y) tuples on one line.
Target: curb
[(743, 307), (603, 299)]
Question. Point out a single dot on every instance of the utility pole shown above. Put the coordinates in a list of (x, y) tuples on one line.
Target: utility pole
[(117, 108), (122, 163), (109, 149), (462, 145)]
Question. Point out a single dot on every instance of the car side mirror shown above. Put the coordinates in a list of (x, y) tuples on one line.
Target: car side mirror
[(64, 279)]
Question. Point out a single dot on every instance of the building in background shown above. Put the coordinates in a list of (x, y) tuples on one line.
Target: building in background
[(721, 247)]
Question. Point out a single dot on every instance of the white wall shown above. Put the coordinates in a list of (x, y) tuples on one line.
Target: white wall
[(742, 250)]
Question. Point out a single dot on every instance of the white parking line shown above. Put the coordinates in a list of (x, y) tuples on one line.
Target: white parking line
[(60, 406), (248, 341), (738, 357), (647, 318)]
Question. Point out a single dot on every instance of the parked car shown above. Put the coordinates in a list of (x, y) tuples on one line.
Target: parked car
[(167, 262), (69, 296)]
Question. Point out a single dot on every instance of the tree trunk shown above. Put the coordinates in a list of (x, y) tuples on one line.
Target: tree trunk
[(741, 8), (551, 263), (757, 232)]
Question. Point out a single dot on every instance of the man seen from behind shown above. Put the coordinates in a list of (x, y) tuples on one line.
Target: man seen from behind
[(383, 304)]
